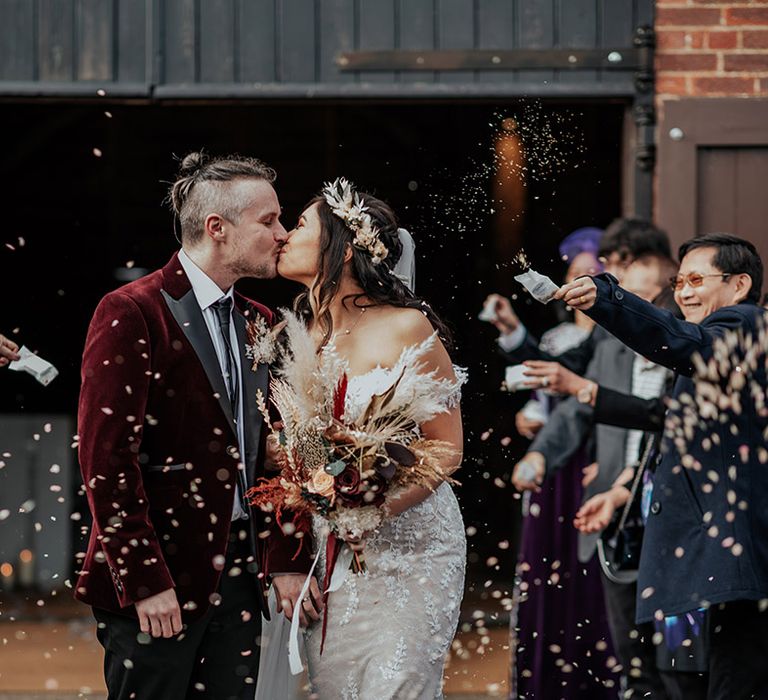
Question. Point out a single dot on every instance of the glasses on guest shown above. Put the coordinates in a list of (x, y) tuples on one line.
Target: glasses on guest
[(694, 279)]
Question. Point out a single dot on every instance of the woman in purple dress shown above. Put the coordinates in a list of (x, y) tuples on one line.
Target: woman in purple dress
[(560, 640)]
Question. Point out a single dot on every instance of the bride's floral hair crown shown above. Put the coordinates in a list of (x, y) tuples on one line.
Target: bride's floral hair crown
[(351, 209)]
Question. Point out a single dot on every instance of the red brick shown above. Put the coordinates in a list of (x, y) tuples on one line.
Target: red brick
[(724, 86), (746, 62), (764, 86), (671, 85), (678, 39), (723, 40), (686, 61), (755, 40), (687, 16), (746, 15)]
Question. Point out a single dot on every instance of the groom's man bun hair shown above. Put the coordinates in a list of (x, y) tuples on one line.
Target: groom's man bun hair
[(210, 185)]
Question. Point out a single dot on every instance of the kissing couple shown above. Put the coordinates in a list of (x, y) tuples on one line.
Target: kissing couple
[(174, 440)]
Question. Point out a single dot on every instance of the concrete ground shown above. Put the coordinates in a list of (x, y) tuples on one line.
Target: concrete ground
[(61, 660)]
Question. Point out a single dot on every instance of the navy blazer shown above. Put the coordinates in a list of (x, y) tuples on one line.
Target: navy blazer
[(706, 540)]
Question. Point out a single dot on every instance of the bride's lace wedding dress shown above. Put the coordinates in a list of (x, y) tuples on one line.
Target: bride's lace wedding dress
[(390, 629)]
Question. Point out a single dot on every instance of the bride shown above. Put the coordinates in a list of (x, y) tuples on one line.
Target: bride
[(388, 629)]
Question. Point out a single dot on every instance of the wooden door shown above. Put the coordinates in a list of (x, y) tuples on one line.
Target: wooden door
[(732, 193), (713, 169)]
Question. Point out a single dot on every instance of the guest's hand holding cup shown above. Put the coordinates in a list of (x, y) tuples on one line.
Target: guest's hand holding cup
[(529, 472), (527, 427), (9, 351), (497, 309), (552, 376)]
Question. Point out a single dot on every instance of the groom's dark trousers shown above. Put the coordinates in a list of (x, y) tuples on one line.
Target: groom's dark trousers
[(161, 461), (215, 658)]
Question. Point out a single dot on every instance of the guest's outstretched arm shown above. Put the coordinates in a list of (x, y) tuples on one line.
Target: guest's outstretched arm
[(654, 333), (575, 359), (626, 411)]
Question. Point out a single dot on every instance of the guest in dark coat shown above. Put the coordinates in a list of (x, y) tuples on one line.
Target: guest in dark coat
[(705, 543)]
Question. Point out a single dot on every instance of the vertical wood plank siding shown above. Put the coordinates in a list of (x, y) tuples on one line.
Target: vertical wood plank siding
[(270, 45), (376, 31), (55, 37), (618, 18), (336, 33), (217, 41), (456, 30), (131, 46), (535, 26), (17, 49), (180, 41), (417, 32), (496, 30), (94, 39), (258, 46), (577, 28), (296, 30)]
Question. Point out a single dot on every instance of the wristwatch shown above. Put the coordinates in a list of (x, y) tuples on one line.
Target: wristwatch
[(587, 393)]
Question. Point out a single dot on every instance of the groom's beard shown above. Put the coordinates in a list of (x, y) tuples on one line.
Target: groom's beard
[(264, 269)]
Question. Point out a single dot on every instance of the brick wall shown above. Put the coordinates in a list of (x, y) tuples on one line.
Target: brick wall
[(711, 48)]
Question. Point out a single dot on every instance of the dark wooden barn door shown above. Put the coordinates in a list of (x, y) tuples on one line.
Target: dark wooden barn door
[(732, 193), (713, 169)]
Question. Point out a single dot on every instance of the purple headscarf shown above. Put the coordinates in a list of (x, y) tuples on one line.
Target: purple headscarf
[(582, 240)]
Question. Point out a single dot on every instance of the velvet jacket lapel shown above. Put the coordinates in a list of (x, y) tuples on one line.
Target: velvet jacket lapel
[(181, 301), (182, 304)]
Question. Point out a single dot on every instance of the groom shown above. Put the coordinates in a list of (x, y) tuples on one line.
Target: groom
[(170, 442)]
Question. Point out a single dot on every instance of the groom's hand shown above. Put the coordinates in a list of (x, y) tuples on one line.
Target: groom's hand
[(160, 614), (288, 589), (579, 294)]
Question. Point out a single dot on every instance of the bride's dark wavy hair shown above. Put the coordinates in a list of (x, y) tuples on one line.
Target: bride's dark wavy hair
[(378, 283)]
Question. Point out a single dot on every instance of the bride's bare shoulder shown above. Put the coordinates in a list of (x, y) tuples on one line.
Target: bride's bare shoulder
[(409, 326)]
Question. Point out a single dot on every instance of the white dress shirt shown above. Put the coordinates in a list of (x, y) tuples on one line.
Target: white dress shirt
[(512, 340), (207, 293), (648, 382)]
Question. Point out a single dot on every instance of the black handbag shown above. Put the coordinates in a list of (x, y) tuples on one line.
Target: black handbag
[(619, 545)]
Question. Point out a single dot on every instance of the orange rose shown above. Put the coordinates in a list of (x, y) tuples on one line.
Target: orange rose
[(321, 483)]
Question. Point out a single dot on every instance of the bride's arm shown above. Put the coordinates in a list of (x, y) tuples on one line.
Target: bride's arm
[(446, 427)]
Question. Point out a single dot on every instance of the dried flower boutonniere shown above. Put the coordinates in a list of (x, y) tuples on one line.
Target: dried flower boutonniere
[(262, 341)]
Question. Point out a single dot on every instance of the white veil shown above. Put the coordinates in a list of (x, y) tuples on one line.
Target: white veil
[(405, 270)]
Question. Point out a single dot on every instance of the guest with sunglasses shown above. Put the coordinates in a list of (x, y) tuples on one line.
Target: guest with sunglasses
[(705, 541)]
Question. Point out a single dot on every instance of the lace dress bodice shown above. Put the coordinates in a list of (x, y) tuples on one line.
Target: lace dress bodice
[(390, 629)]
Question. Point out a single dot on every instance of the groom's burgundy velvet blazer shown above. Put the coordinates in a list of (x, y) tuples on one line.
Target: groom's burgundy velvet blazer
[(158, 450)]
